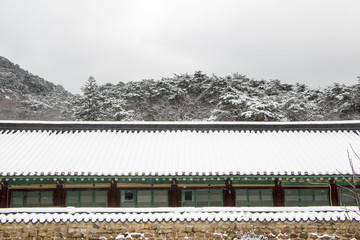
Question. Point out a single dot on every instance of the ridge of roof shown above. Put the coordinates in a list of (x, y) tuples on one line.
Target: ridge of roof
[(163, 126)]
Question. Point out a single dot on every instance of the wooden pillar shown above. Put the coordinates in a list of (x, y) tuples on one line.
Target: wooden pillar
[(114, 196), (229, 194), (278, 195), (4, 195), (59, 195), (334, 194), (174, 195)]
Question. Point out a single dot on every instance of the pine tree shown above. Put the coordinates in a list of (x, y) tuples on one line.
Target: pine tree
[(88, 107), (356, 96), (114, 105), (264, 109)]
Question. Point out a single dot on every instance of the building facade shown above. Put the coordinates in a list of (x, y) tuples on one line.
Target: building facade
[(150, 165), (103, 180)]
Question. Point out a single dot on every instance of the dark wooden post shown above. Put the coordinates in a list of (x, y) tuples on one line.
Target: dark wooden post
[(334, 193), (229, 194), (278, 195), (174, 195), (59, 195), (4, 195), (114, 196)]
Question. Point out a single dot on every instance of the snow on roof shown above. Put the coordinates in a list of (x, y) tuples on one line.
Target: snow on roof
[(242, 149), (71, 214)]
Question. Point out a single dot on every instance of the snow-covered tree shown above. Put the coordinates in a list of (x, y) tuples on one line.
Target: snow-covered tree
[(356, 97), (88, 107), (339, 102), (300, 104), (230, 106), (262, 110), (114, 105), (189, 97)]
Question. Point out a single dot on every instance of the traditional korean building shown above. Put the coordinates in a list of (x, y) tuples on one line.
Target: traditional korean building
[(178, 169)]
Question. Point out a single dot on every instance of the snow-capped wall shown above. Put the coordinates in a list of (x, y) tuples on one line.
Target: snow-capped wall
[(325, 223), (209, 214)]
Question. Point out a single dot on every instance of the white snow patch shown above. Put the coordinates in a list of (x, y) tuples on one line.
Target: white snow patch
[(131, 236)]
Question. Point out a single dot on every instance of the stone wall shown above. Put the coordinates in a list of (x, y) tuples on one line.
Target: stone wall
[(182, 230)]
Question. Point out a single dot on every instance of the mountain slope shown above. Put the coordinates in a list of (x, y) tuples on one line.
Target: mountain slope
[(27, 96)]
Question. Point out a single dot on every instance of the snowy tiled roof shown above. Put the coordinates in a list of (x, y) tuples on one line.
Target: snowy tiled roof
[(67, 148), (177, 214)]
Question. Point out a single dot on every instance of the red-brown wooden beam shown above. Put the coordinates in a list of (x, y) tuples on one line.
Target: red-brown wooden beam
[(59, 195), (114, 196), (174, 195), (278, 196), (229, 194), (4, 195), (334, 194)]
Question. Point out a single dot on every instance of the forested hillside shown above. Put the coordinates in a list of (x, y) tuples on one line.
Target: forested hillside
[(24, 96), (199, 97), (183, 97)]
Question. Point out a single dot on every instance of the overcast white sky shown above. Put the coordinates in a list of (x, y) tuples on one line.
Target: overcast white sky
[(316, 42)]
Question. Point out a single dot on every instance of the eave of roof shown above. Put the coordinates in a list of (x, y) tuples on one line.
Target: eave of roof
[(174, 126), (31, 182)]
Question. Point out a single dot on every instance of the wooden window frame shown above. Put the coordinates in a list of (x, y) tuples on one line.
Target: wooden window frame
[(193, 189), (308, 188), (87, 189), (31, 190), (252, 188), (141, 189), (346, 187)]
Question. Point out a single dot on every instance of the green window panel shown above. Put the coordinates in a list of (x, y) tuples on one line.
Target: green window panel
[(216, 197), (292, 197), (32, 199), (100, 198), (241, 196), (128, 198), (160, 198), (267, 198), (188, 198), (254, 197), (46, 198), (201, 197), (87, 198), (17, 199), (72, 198), (347, 196), (306, 197), (144, 198)]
